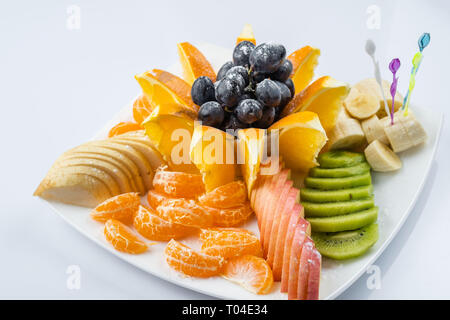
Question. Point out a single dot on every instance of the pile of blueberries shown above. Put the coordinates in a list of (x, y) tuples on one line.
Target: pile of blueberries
[(250, 91)]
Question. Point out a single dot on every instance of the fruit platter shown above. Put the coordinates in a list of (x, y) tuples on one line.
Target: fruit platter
[(240, 174)]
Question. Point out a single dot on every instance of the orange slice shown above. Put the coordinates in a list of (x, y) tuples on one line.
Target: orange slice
[(212, 151), (152, 227), (301, 137), (121, 207), (304, 61), (229, 195), (185, 212), (194, 63), (246, 35), (178, 184), (192, 263), (123, 127), (229, 244), (122, 238), (230, 217), (324, 97), (141, 109), (252, 273), (155, 198)]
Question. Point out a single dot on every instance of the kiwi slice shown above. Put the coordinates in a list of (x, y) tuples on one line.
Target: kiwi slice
[(314, 195), (344, 222), (330, 209), (340, 172), (340, 159), (339, 183), (346, 244)]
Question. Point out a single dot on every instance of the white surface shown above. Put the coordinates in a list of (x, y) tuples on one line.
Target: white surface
[(51, 78)]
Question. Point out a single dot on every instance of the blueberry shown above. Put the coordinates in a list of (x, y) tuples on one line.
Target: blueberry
[(228, 92), (224, 69), (268, 93), (267, 118), (202, 90), (285, 94), (249, 111), (241, 53), (267, 57), (233, 123), (290, 85), (211, 114), (242, 71), (283, 72)]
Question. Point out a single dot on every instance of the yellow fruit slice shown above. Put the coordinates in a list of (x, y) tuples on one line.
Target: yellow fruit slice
[(246, 35), (304, 61), (194, 63), (251, 148), (324, 97), (301, 137), (170, 129), (213, 152)]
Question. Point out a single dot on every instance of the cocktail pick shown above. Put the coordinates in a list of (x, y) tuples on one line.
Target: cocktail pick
[(394, 66), (370, 49), (423, 42)]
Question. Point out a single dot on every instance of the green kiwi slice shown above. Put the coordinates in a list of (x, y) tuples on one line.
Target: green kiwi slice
[(329, 209), (315, 195), (344, 222), (346, 244), (340, 172), (340, 159), (338, 183)]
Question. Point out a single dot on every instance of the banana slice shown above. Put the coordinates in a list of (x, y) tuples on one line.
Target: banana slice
[(374, 130), (381, 158), (346, 134), (361, 104)]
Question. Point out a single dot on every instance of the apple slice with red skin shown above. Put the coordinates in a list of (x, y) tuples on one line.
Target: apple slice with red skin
[(303, 270), (293, 198), (266, 196), (315, 266), (276, 222), (269, 212), (296, 215), (300, 236)]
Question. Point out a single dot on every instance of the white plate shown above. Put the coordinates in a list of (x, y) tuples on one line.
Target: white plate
[(395, 194)]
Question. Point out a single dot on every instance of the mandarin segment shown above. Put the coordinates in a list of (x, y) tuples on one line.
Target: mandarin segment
[(155, 198), (252, 273), (123, 127), (121, 207), (141, 109), (178, 184), (185, 212), (230, 243), (123, 238), (191, 263), (230, 217), (229, 195), (151, 226)]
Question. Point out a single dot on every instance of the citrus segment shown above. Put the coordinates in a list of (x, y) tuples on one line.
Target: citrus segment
[(252, 273), (185, 212), (123, 127), (178, 184), (155, 198), (141, 109), (192, 263), (246, 35), (230, 217), (152, 227), (229, 195), (122, 238), (121, 207), (194, 63), (304, 61)]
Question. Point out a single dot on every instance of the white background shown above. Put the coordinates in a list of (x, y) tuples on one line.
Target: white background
[(59, 86)]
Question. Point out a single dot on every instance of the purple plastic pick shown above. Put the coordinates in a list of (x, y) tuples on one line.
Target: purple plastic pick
[(394, 66)]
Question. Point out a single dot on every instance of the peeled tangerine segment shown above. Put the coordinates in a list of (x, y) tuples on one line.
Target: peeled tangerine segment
[(252, 273), (178, 184), (155, 198), (339, 159), (339, 183), (340, 172), (230, 217), (346, 244), (229, 244), (336, 208), (121, 207), (122, 238), (344, 222), (185, 212), (192, 263), (229, 195), (151, 226), (314, 195)]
